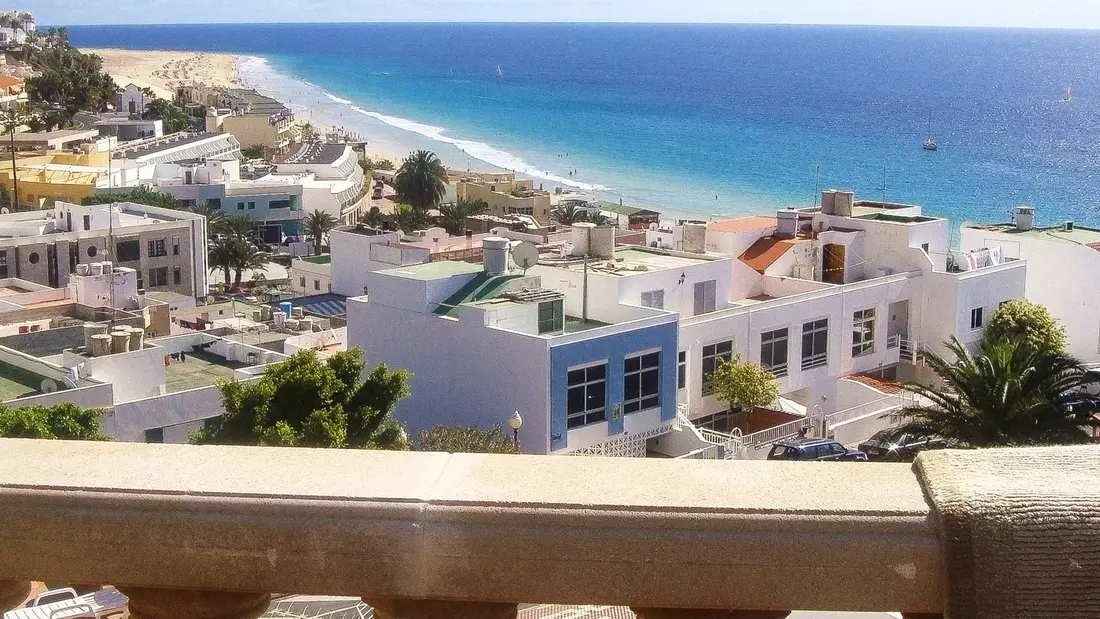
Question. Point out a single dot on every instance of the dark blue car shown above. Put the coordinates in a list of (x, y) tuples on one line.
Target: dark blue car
[(804, 448)]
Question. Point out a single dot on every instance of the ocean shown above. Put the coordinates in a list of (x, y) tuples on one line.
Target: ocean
[(711, 120)]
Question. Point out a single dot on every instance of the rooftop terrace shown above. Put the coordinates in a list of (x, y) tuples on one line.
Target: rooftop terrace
[(636, 259), (15, 382), (1079, 235), (429, 271), (201, 369), (314, 154)]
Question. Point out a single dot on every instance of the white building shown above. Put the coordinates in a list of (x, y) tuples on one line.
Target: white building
[(1063, 271), (21, 24), (330, 176), (167, 248), (483, 342)]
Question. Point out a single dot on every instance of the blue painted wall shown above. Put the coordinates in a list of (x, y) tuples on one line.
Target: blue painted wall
[(615, 349), (262, 210)]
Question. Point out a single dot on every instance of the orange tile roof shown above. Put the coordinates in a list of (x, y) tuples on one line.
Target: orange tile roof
[(7, 81), (742, 224), (764, 252), (882, 384)]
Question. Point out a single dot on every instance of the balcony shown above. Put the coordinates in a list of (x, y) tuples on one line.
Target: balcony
[(204, 532)]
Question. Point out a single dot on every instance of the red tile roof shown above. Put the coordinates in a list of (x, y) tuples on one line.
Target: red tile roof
[(742, 224), (6, 81), (886, 386), (764, 252)]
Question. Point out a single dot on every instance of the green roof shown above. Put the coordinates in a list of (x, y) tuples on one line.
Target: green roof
[(323, 259), (429, 271), (16, 382), (622, 209), (483, 286)]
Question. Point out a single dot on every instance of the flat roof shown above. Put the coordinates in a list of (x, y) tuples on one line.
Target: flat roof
[(629, 258), (320, 154), (200, 369), (743, 224), (71, 135), (15, 382), (165, 143), (622, 209), (435, 270), (1079, 235), (323, 259)]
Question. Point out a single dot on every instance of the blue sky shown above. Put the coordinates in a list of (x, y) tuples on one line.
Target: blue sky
[(1006, 13)]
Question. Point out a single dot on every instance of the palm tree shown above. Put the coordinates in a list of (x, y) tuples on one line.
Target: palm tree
[(220, 257), (237, 227), (318, 224), (422, 180), (408, 219), (1006, 394), (453, 216), (373, 218), (569, 214), (215, 217), (244, 255)]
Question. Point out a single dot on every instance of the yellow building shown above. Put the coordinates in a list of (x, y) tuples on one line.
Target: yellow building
[(56, 176), (505, 194)]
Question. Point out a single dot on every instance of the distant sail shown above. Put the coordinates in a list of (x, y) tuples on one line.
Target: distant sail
[(1069, 95), (500, 72)]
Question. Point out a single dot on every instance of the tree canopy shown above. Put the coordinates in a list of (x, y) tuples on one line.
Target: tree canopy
[(1006, 394), (65, 421), (453, 216), (67, 77), (171, 115), (744, 384), (459, 439), (256, 151), (318, 224), (421, 181), (1031, 322), (138, 195), (309, 402)]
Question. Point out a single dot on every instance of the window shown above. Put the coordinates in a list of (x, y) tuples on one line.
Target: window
[(251, 206), (87, 222), (815, 344), (154, 435), (550, 316), (92, 251), (214, 203), (157, 248), (704, 297), (240, 206), (711, 355), (641, 382), (175, 246), (3, 264), (128, 251), (302, 283), (773, 351), (141, 281), (924, 246), (976, 318), (587, 396), (158, 277), (863, 332), (316, 284), (33, 258), (654, 298), (278, 204), (681, 369), (177, 276)]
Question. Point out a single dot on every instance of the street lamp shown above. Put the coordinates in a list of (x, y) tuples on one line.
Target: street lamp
[(515, 422)]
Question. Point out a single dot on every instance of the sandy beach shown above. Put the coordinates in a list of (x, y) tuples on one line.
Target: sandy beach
[(163, 71)]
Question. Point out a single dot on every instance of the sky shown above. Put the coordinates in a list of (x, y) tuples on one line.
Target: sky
[(991, 13)]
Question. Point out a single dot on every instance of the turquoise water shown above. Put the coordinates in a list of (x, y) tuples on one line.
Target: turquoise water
[(704, 119)]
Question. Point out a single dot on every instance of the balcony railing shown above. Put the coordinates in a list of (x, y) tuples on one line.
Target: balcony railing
[(200, 532)]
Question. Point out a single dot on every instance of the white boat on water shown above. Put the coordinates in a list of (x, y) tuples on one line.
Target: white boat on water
[(500, 72), (1069, 96), (930, 144)]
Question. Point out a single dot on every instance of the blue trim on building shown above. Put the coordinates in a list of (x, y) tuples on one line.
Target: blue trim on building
[(613, 348)]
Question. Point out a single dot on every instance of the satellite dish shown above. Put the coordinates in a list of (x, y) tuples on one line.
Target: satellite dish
[(5, 210), (525, 255), (47, 385), (820, 222)]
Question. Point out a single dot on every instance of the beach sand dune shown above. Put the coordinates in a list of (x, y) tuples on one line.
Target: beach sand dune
[(163, 71)]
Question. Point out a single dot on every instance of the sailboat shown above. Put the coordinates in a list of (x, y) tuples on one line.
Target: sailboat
[(1069, 95), (929, 143), (500, 72)]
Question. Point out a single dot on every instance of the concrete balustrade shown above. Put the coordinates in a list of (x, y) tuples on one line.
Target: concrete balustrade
[(437, 535)]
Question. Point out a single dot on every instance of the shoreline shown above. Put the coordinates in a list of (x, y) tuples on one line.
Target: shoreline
[(387, 137)]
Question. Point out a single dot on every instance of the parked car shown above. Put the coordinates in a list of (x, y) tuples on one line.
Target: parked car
[(804, 448), (893, 445)]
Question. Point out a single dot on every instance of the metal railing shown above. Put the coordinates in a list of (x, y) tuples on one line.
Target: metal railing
[(884, 406)]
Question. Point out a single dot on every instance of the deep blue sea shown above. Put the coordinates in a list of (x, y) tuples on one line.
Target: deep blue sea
[(719, 119)]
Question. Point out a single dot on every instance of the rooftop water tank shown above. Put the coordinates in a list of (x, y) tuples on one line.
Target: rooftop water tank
[(695, 238), (495, 252), (1025, 217), (137, 338), (101, 345), (120, 342), (90, 329), (280, 318), (602, 243), (786, 222), (286, 307), (581, 234), (82, 269)]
